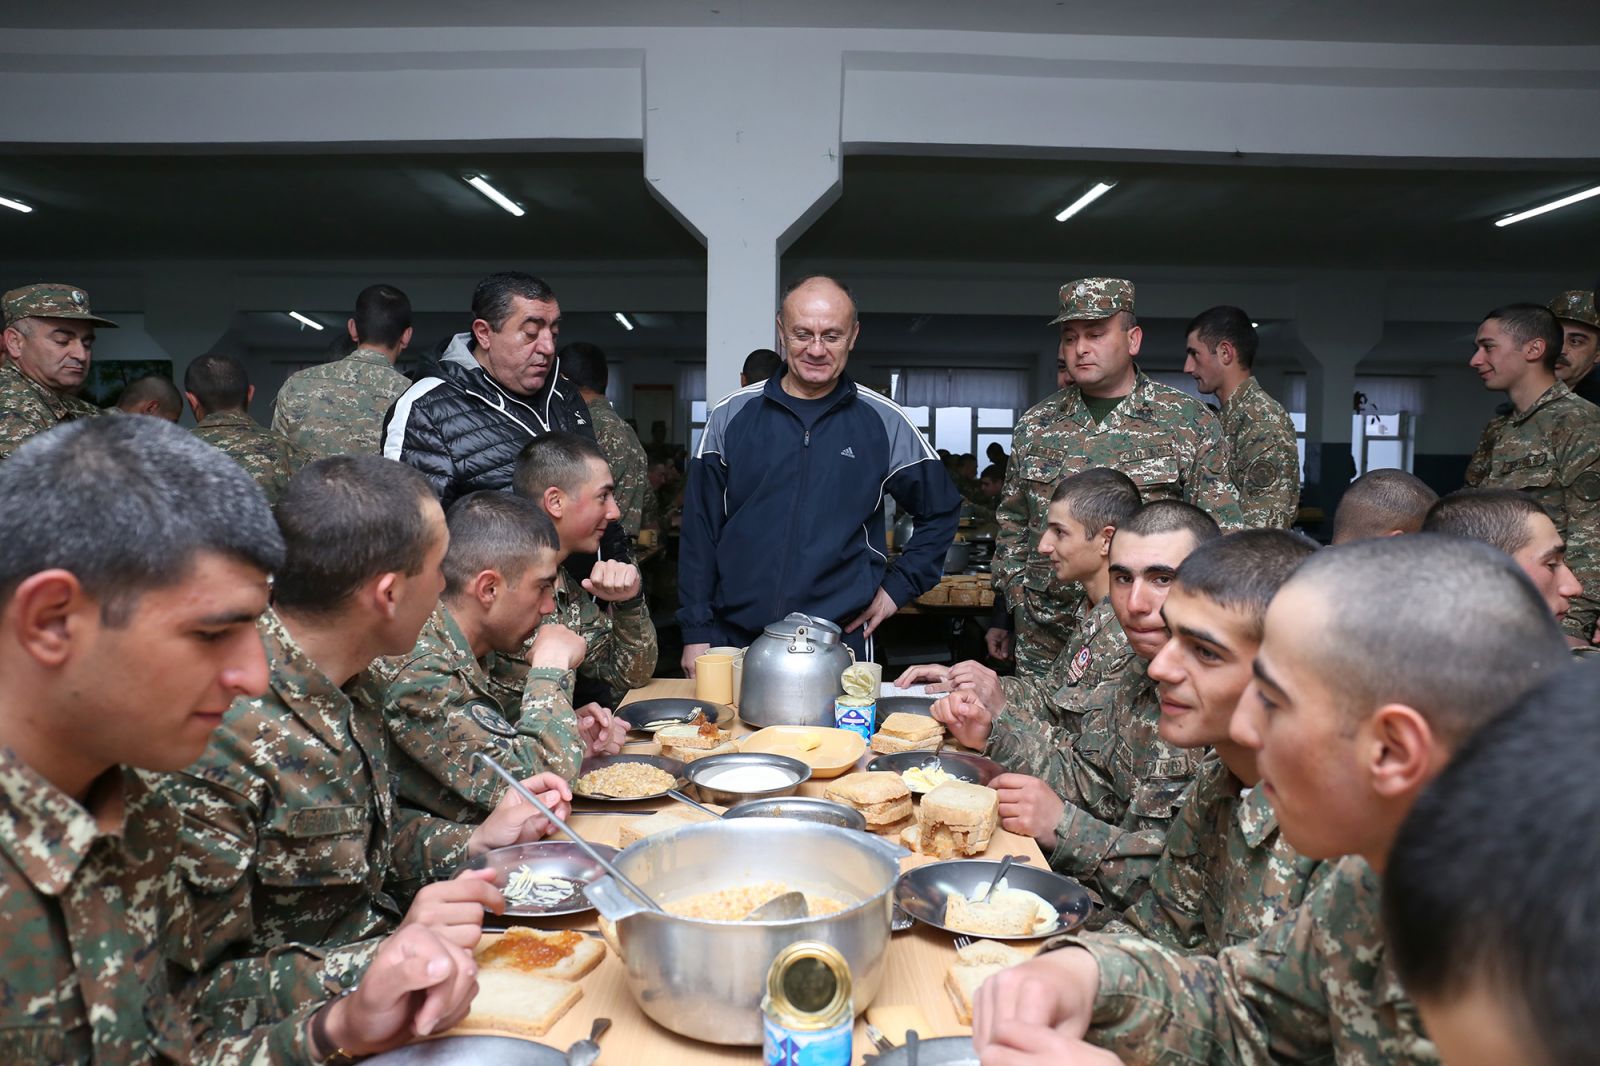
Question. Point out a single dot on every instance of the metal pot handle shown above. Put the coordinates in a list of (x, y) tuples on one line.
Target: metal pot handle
[(611, 901), (802, 634)]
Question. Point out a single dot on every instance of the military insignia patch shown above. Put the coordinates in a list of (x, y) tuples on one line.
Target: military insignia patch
[(491, 719), (1587, 487), (1080, 663), (1259, 475)]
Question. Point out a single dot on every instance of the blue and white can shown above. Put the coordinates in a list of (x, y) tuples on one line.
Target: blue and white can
[(858, 714), (806, 1015)]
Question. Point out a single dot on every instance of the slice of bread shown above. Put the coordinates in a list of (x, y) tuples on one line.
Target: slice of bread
[(672, 750), (867, 788), (692, 736), (907, 726), (880, 815), (992, 952), (562, 954), (1005, 913), (911, 837), (963, 981), (512, 1002), (962, 805), (660, 822), (887, 744), (893, 830)]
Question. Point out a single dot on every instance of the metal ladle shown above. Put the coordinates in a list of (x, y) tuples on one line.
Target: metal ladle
[(605, 864)]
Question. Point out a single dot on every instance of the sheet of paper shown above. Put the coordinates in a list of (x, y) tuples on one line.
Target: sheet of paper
[(890, 689)]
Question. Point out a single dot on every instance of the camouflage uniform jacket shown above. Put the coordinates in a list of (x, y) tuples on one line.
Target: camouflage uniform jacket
[(270, 458), (1226, 873), (27, 408), (619, 641), (1263, 461), (1551, 451), (1097, 653), (1170, 444), (440, 711), (1316, 987), (630, 467), (337, 408), (1120, 780), (290, 837)]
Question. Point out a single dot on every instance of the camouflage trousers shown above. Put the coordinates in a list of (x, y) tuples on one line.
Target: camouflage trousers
[(1044, 627)]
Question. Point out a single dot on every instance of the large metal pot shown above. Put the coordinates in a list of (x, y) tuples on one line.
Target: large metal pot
[(704, 979), (791, 673)]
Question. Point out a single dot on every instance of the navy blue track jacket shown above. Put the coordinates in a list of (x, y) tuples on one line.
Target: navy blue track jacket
[(778, 518)]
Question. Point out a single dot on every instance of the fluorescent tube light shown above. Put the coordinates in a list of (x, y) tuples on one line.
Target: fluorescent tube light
[(15, 205), (477, 181), (1099, 190), (622, 320), (304, 321), (1255, 325), (1553, 205)]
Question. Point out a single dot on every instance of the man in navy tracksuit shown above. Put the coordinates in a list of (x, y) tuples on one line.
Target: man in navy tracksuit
[(784, 506)]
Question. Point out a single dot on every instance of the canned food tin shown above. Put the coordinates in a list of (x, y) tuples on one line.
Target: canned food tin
[(857, 714), (807, 1018)]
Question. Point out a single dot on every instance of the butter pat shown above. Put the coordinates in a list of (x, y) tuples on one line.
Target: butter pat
[(808, 741)]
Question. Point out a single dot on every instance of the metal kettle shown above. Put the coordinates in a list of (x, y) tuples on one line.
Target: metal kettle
[(792, 671)]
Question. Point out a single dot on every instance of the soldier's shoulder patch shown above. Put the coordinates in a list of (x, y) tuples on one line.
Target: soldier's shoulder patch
[(491, 719), (1080, 663), (1260, 475), (1587, 487)]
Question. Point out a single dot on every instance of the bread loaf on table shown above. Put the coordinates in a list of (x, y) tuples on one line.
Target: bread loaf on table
[(957, 818)]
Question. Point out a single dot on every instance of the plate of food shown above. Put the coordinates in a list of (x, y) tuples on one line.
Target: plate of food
[(647, 716), (829, 752), (1028, 903), (625, 778), (923, 771), (545, 878), (697, 738)]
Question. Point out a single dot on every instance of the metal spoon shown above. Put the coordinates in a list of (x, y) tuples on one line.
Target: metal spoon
[(681, 798), (1005, 864), (605, 864), (780, 908), (587, 1052)]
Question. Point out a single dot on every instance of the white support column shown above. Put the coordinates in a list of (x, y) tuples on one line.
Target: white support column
[(1339, 321), (743, 147)]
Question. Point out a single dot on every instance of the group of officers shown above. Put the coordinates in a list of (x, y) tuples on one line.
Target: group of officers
[(236, 738)]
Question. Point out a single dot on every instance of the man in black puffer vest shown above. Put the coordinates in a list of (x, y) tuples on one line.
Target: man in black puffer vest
[(495, 389)]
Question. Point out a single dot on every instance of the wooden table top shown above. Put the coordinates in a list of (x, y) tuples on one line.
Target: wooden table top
[(916, 964)]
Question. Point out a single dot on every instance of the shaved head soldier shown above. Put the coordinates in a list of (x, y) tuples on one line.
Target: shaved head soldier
[(1382, 503), (153, 395)]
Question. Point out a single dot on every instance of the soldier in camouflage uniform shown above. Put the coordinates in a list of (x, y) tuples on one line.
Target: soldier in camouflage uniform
[(1099, 801), (1580, 329), (1263, 460), (1226, 873), (1350, 651), (439, 705), (48, 339), (585, 364), (294, 848), (219, 393), (1112, 415), (88, 847), (337, 408), (1547, 446)]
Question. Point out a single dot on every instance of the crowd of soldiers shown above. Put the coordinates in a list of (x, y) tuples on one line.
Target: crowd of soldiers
[(248, 670)]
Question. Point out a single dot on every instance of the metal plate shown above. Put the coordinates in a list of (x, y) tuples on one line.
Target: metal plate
[(922, 890), (974, 768), (554, 858), (888, 705), (941, 1051), (472, 1051), (669, 710), (801, 809), (596, 762)]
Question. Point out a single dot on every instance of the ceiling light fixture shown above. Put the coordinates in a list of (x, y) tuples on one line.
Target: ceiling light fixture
[(16, 205), (1255, 325), (304, 321), (1099, 190), (479, 182), (1553, 205), (622, 320)]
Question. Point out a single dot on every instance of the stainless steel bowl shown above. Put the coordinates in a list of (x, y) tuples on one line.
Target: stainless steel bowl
[(704, 979), (551, 858), (922, 891), (700, 769), (596, 762), (958, 764), (802, 809)]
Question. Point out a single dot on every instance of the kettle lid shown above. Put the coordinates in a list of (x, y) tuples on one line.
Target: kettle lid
[(818, 629)]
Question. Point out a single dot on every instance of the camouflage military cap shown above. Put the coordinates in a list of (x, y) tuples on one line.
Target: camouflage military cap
[(1092, 298), (49, 300), (1576, 306)]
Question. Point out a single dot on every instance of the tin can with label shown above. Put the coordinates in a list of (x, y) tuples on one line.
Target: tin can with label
[(857, 714), (806, 1014)]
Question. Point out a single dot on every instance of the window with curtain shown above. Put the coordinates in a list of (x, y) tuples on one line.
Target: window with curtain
[(692, 391), (962, 410)]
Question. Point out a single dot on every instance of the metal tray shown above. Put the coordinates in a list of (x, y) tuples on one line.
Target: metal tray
[(472, 1051), (940, 1051), (556, 858), (922, 890), (669, 710), (801, 809), (974, 768), (888, 705), (596, 762)]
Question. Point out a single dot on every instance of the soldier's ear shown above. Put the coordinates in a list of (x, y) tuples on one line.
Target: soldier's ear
[(485, 587), (1225, 353), (47, 612), (1105, 540), (554, 501)]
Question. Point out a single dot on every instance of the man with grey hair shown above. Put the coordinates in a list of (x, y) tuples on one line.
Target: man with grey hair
[(49, 341), (127, 627)]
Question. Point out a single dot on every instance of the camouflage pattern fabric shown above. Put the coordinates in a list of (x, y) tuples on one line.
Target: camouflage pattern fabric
[(620, 640), (625, 455), (291, 843), (1263, 462), (270, 458), (440, 711), (1551, 451), (337, 408), (1576, 306), (27, 408), (1313, 988), (1168, 443), (50, 300), (1097, 653), (1120, 780), (1226, 874), (1090, 299)]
